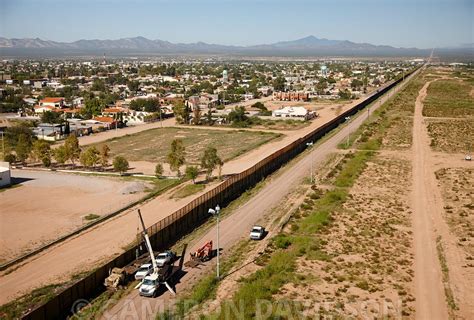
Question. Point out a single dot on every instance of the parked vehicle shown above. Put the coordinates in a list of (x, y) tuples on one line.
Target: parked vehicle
[(166, 257), (143, 271), (149, 285), (257, 233)]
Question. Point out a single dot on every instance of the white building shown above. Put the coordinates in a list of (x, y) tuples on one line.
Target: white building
[(293, 112), (5, 175)]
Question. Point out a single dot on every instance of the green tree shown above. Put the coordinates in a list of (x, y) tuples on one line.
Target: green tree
[(120, 164), (176, 156), (209, 117), (344, 94), (279, 84), (148, 105), (238, 118), (192, 172), (210, 160), (104, 156), (12, 135), (159, 170), (197, 115), (23, 148), (133, 85), (60, 154), (42, 152), (50, 117), (98, 85), (90, 157), (181, 112), (73, 151), (10, 158), (92, 107)]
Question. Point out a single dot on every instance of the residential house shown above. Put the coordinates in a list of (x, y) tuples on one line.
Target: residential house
[(102, 122), (49, 131), (52, 102)]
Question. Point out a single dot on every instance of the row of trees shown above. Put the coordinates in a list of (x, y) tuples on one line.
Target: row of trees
[(24, 147), (176, 158)]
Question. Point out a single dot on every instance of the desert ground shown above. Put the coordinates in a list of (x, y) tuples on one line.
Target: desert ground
[(276, 196), (401, 244), (108, 239), (46, 205)]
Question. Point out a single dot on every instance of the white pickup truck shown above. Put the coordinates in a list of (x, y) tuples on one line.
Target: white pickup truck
[(257, 233)]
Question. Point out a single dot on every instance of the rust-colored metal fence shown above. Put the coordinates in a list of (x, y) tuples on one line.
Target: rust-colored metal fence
[(165, 232)]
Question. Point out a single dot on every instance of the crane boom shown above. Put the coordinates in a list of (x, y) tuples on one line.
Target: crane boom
[(148, 244)]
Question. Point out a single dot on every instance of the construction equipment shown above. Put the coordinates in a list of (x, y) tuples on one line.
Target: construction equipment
[(115, 279), (202, 254), (151, 283)]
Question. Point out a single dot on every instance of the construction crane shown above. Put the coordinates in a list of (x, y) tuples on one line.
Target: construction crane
[(149, 285)]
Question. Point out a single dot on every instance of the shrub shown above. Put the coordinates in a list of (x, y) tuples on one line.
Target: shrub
[(10, 158), (282, 241)]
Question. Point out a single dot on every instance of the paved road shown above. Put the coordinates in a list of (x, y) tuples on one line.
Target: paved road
[(236, 226)]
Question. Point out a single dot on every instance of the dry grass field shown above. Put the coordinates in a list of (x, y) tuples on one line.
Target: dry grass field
[(153, 145), (363, 259), (458, 194), (449, 98), (451, 136)]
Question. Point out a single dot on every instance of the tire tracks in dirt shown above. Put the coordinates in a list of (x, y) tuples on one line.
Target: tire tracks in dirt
[(428, 222)]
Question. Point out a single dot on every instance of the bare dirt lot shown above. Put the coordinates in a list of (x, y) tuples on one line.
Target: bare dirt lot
[(47, 205)]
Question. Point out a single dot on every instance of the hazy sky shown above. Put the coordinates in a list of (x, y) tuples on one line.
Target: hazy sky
[(407, 23)]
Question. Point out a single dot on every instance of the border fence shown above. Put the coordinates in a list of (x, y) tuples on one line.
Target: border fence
[(170, 229)]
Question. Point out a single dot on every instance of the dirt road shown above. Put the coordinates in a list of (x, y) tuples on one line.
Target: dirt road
[(429, 291), (236, 226), (429, 224)]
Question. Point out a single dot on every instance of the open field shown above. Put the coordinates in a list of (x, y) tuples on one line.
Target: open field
[(153, 145), (48, 205), (451, 136), (458, 194), (271, 124), (360, 258), (449, 98)]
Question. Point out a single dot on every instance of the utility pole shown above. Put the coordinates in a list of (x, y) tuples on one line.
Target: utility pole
[(310, 144), (3, 143), (161, 121), (215, 212)]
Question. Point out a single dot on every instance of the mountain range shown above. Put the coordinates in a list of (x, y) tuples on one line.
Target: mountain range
[(308, 46)]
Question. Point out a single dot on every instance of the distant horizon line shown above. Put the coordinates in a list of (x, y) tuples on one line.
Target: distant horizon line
[(460, 45)]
